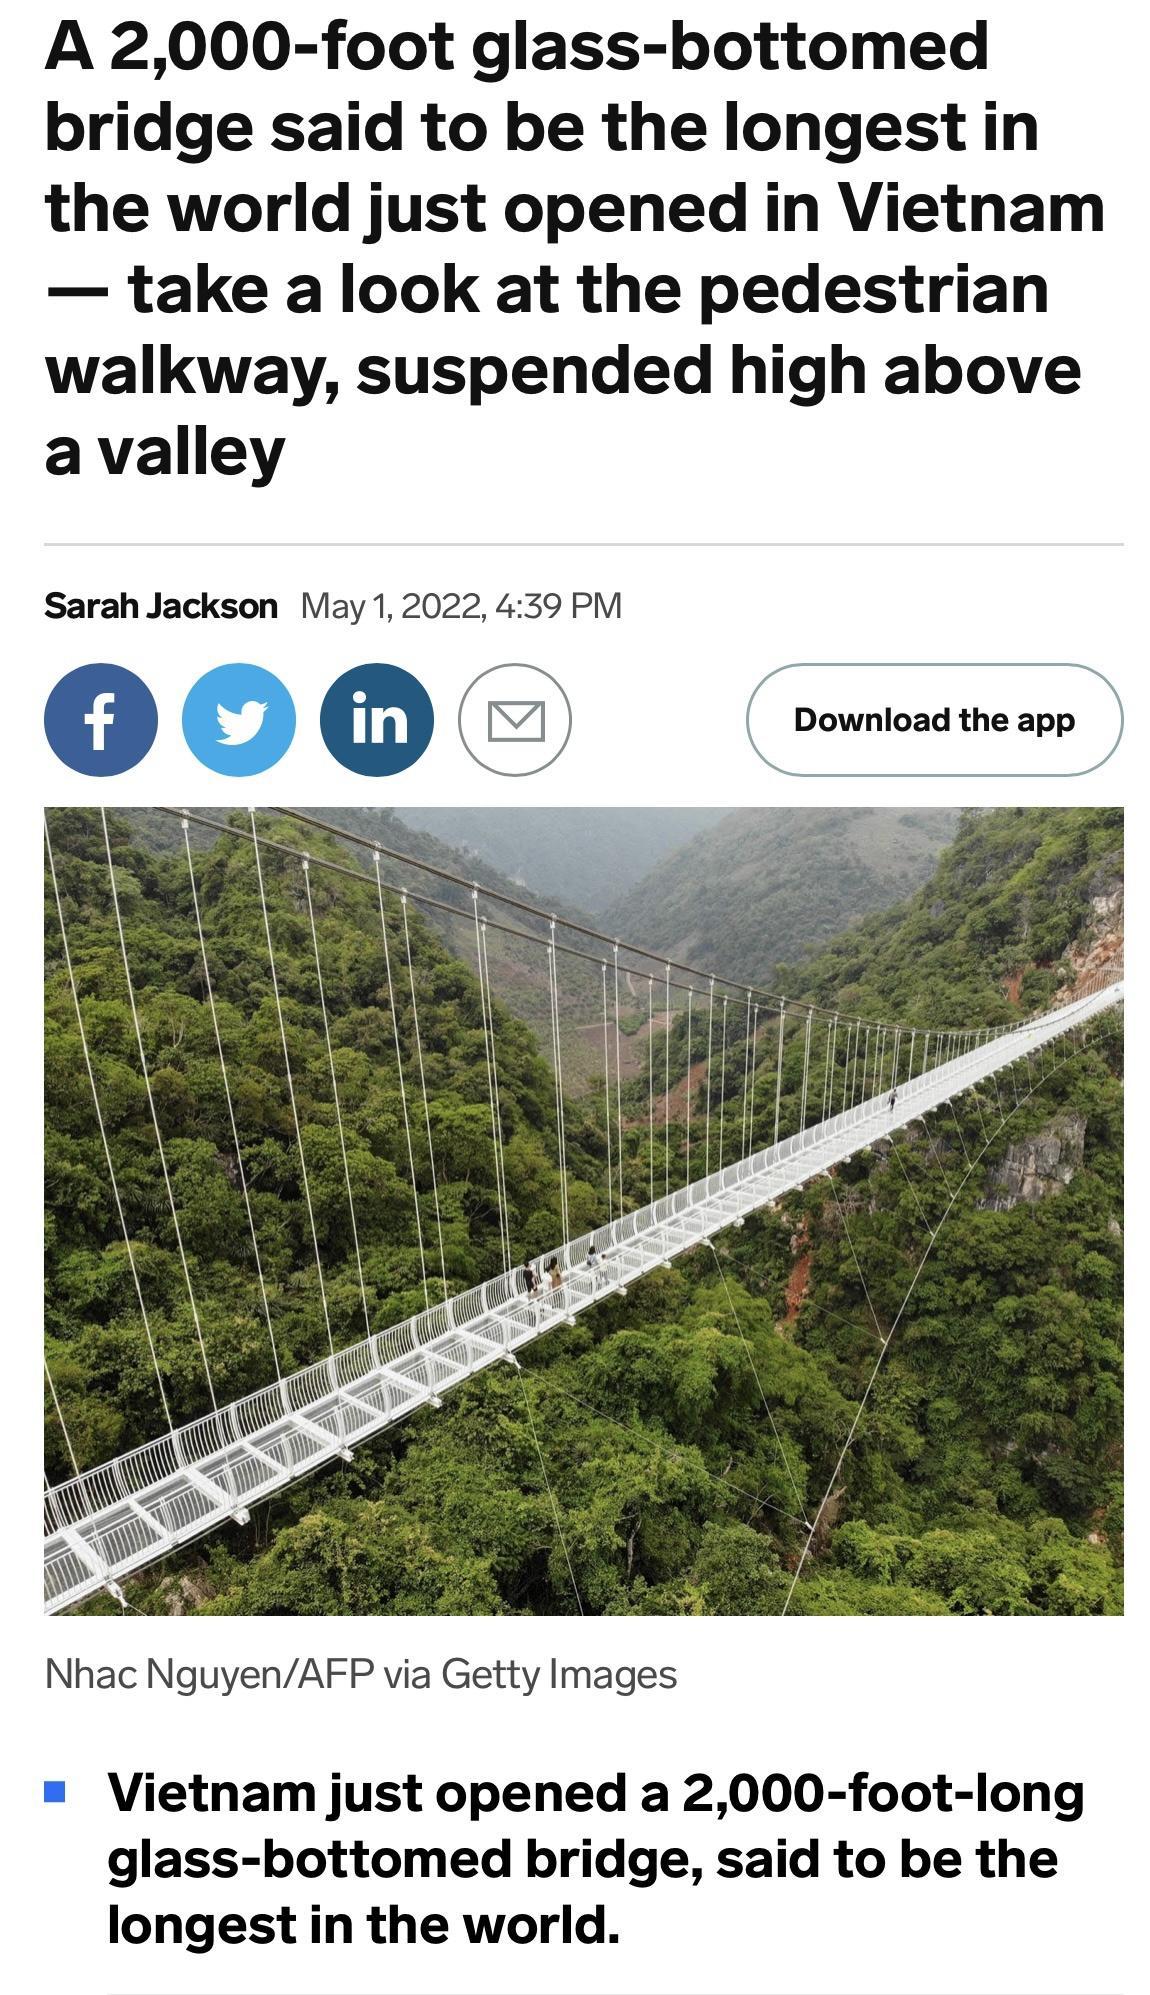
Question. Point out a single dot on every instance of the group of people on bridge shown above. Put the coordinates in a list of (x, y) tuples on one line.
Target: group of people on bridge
[(534, 1281)]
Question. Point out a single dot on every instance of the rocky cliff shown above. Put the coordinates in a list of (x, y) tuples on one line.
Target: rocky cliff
[(1037, 1165)]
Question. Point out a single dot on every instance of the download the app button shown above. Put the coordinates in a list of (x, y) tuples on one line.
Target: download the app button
[(934, 720)]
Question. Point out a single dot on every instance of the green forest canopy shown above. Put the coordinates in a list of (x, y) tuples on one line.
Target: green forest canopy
[(985, 1475)]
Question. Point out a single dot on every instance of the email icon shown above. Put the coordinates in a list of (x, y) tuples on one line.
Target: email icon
[(516, 720)]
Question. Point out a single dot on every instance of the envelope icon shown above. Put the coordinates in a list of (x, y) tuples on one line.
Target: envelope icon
[(516, 720)]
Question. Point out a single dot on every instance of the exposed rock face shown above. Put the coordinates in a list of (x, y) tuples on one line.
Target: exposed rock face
[(1102, 948), (1038, 1165)]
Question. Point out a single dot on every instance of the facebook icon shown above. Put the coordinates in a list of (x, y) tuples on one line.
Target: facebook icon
[(100, 720)]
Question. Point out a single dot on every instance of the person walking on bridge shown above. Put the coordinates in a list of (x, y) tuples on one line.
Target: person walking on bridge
[(529, 1281), (892, 1099)]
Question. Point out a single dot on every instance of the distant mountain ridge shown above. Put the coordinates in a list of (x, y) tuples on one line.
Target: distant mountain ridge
[(585, 857), (761, 887)]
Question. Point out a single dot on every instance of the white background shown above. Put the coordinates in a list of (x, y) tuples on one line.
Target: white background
[(659, 703)]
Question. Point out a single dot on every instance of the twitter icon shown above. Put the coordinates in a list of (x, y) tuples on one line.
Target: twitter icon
[(240, 728), (239, 720)]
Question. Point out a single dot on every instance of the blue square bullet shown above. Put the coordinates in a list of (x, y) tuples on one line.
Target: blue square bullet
[(53, 1790)]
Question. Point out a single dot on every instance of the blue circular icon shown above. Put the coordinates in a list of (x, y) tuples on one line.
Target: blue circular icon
[(100, 719), (376, 720), (239, 720)]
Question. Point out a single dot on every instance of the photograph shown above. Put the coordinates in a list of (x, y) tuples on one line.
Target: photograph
[(593, 1211)]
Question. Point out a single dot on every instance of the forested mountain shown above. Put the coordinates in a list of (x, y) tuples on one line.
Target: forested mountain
[(160, 831), (586, 858), (1015, 905), (522, 972), (985, 1474), (759, 886)]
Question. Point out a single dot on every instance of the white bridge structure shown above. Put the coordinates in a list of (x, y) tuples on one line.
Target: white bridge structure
[(111, 1521)]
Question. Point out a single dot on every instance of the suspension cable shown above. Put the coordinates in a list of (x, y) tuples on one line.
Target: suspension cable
[(854, 1255), (155, 1115), (618, 1087), (921, 1120), (557, 1053), (498, 1103), (102, 1127), (828, 1068), (551, 1496), (607, 1105), (640, 1436), (496, 894), (806, 1070), (651, 1084), (758, 1382), (492, 1093), (335, 1098), (723, 1083), (458, 913), (305, 1181), (403, 1087), (779, 1066), (667, 1086), (690, 1088), (423, 1091), (746, 1077), (236, 1145), (750, 1143), (958, 1128), (63, 1429), (973, 1091), (910, 1186), (710, 1050)]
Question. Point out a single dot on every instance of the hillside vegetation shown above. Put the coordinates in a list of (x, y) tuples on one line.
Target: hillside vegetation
[(759, 887), (984, 1476)]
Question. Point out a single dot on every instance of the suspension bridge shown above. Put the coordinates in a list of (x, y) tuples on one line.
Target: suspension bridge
[(843, 1083)]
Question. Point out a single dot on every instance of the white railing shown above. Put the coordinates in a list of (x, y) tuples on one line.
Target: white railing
[(110, 1521)]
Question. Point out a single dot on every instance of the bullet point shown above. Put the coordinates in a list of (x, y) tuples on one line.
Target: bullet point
[(54, 1790)]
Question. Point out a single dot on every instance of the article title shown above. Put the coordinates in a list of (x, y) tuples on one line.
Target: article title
[(531, 238)]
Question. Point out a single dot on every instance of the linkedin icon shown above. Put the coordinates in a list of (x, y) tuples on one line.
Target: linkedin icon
[(376, 719)]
